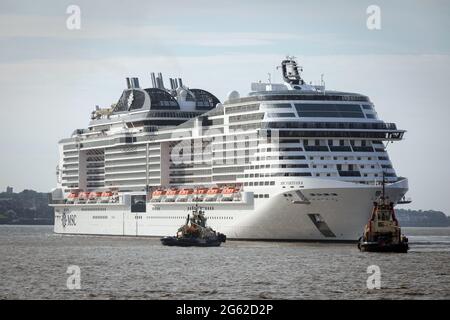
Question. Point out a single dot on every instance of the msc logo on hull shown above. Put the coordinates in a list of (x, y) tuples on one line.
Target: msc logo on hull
[(68, 219)]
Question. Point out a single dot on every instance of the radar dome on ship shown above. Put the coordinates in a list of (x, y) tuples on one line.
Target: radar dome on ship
[(233, 95)]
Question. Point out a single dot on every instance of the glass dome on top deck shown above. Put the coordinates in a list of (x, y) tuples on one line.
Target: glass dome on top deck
[(160, 99)]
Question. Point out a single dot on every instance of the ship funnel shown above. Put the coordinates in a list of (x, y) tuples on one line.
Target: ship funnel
[(172, 84), (158, 83), (161, 81), (152, 75), (134, 82), (180, 83)]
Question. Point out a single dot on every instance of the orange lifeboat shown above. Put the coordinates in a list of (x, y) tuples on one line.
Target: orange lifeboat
[(199, 193), (93, 196), (213, 193), (228, 190), (72, 197), (213, 190), (184, 194), (171, 195), (157, 195), (228, 193), (172, 192), (83, 197)]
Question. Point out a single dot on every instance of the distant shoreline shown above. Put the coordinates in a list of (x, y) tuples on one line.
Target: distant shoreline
[(27, 224)]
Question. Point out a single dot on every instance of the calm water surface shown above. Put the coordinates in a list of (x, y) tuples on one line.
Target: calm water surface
[(34, 261)]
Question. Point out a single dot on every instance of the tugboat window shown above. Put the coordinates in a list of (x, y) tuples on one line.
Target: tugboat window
[(138, 203)]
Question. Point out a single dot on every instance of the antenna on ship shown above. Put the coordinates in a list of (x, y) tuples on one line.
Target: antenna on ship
[(322, 83)]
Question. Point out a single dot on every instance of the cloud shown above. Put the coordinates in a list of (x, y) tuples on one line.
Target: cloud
[(30, 26)]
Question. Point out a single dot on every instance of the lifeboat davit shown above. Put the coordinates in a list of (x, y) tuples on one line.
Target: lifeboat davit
[(184, 194), (199, 194), (171, 195), (94, 196), (83, 197), (157, 195), (228, 193), (212, 193), (72, 197), (105, 196)]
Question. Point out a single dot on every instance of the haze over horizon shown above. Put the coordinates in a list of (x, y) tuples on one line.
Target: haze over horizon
[(51, 77)]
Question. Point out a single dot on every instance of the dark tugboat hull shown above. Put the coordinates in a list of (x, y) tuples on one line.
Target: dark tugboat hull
[(190, 242), (380, 247)]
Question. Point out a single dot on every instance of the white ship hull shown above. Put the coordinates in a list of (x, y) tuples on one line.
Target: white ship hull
[(299, 161), (323, 217)]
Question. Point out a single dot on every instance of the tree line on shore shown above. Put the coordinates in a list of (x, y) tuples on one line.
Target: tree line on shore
[(26, 207)]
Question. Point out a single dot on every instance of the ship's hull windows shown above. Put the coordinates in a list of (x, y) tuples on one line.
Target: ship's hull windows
[(278, 106), (329, 110), (281, 115), (338, 134), (240, 109), (229, 169), (349, 173), (246, 117), (70, 147), (249, 126), (172, 114), (291, 158), (331, 125), (224, 178), (311, 97), (163, 122)]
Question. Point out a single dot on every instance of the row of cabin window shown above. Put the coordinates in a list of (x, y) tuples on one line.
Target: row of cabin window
[(259, 183), (261, 196)]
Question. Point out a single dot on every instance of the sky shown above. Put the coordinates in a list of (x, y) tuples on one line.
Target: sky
[(51, 76)]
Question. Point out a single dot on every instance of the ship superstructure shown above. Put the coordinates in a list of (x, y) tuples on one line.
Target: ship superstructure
[(290, 161)]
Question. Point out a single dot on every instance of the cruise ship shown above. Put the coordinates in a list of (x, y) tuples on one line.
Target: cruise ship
[(289, 161)]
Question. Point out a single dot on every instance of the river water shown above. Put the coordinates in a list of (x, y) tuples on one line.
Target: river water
[(34, 263)]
